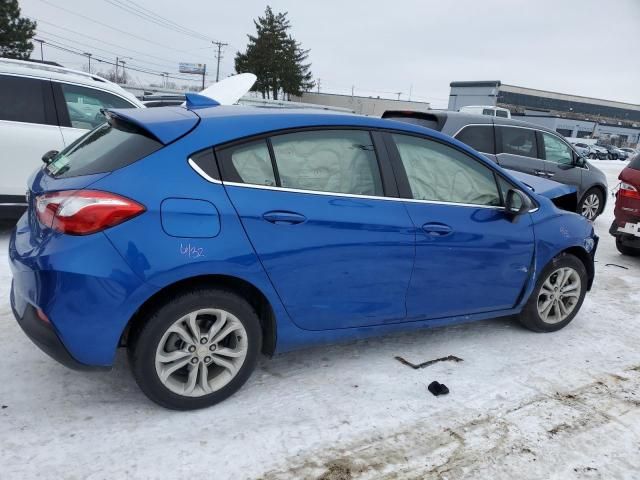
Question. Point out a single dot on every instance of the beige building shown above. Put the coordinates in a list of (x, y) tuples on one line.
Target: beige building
[(373, 106)]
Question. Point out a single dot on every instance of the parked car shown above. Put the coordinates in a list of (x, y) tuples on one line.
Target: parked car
[(626, 225), (598, 152), (520, 146), (630, 151), (582, 149), (612, 154), (204, 235), (621, 154), (43, 108)]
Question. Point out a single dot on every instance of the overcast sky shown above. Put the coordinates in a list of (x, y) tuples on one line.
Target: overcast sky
[(583, 47)]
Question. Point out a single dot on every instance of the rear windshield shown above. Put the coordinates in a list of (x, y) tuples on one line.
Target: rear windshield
[(106, 148), (635, 162)]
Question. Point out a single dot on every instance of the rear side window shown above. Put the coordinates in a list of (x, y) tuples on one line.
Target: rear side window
[(109, 147), (84, 105), (517, 141), (339, 161), (478, 137), (248, 163), (26, 100)]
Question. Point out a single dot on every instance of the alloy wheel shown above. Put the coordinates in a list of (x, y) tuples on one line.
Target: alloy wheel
[(591, 206), (559, 295), (201, 352)]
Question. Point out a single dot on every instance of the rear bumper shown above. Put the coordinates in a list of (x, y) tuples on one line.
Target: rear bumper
[(82, 285), (44, 336)]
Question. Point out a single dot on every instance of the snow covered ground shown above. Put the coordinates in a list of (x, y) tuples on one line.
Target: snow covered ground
[(522, 405)]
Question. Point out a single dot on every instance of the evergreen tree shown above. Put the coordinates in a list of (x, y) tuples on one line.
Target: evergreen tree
[(275, 58), (15, 32)]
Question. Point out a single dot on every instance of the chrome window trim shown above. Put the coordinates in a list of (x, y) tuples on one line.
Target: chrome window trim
[(14, 204), (353, 195), (202, 173)]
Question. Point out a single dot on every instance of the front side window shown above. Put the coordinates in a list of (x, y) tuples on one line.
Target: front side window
[(479, 137), (556, 151), (24, 99), (337, 161), (437, 172), (518, 141), (84, 105)]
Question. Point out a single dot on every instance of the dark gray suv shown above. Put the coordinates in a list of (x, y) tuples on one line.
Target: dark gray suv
[(520, 146)]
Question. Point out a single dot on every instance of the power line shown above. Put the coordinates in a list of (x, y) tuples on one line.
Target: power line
[(44, 34), (112, 27), (136, 68), (150, 16), (102, 41)]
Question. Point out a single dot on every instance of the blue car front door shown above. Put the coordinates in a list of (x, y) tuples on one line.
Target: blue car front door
[(470, 256), (337, 253)]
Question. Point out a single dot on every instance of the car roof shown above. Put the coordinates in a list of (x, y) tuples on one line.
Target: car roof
[(52, 72), (223, 124)]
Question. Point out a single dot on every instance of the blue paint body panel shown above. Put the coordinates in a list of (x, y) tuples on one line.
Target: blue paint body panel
[(189, 218), (354, 266)]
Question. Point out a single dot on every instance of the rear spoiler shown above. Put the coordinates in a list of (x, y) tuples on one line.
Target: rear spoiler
[(165, 124)]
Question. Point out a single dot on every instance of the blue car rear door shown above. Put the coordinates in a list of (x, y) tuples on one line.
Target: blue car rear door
[(313, 205), (470, 256)]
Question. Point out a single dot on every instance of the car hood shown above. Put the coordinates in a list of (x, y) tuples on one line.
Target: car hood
[(542, 186)]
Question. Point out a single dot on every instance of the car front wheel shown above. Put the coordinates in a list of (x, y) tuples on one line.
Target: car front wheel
[(558, 295), (591, 204), (196, 350)]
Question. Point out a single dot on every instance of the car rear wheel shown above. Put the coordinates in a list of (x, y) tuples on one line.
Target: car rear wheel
[(626, 249), (558, 295), (196, 350), (591, 204)]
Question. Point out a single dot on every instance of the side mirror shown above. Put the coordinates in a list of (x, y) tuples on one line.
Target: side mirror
[(517, 204), (47, 157)]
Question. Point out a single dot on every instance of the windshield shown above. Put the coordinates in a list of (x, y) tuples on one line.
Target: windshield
[(104, 149)]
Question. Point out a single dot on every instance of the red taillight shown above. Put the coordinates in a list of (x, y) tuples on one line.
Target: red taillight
[(629, 191), (81, 212)]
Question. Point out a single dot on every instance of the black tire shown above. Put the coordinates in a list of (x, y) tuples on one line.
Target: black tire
[(145, 339), (626, 249), (593, 156), (592, 191), (530, 317)]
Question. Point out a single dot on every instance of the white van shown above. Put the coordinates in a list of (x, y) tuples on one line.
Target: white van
[(486, 110), (43, 108)]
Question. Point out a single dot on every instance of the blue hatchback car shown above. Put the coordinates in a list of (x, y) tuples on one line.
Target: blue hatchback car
[(199, 237)]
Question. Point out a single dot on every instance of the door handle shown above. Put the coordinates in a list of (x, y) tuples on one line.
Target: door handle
[(539, 172), (437, 229), (287, 218)]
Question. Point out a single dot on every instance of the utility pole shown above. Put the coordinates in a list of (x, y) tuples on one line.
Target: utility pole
[(165, 77), (117, 62), (218, 57), (41, 50), (88, 55), (124, 73), (319, 82), (398, 93), (204, 72)]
